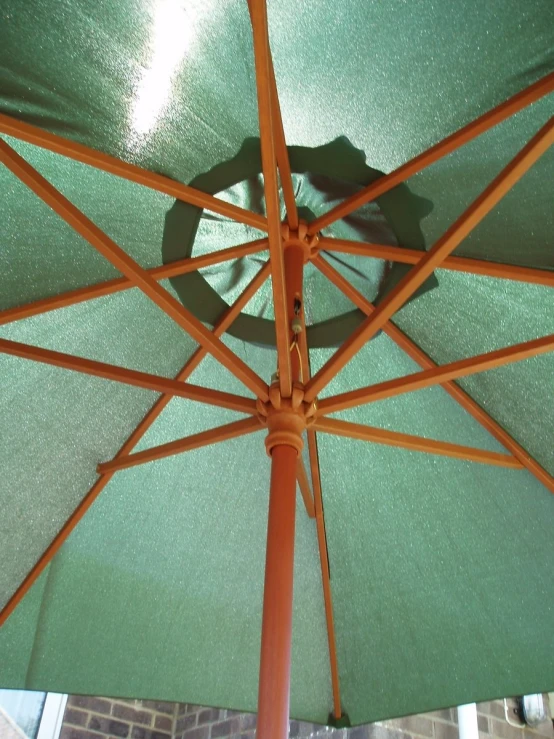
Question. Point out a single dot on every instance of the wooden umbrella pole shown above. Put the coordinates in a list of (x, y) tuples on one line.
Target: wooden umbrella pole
[(275, 658), (285, 421)]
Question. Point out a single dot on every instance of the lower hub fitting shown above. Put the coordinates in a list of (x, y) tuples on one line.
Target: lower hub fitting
[(286, 418)]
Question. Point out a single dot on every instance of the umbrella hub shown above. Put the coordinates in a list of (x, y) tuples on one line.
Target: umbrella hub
[(286, 418), (300, 238)]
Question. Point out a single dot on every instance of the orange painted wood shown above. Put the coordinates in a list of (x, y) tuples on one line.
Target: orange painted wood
[(262, 58), (281, 152), (437, 375), (323, 552), (485, 122), (275, 655), (325, 574), (414, 443), (130, 377), (457, 264), (133, 271), (304, 485), (433, 258), (186, 444), (454, 390), (110, 287), (294, 275), (106, 163), (223, 324)]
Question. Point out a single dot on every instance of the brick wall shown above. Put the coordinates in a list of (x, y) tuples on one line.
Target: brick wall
[(94, 718)]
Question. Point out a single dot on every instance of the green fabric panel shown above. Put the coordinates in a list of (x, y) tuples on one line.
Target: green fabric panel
[(429, 556), (430, 412), (17, 636), (43, 256), (124, 79), (468, 315), (519, 229), (158, 592), (168, 568), (57, 425), (147, 83), (441, 575)]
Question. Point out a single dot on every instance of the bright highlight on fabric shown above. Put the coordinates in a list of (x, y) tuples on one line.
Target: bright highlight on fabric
[(171, 37)]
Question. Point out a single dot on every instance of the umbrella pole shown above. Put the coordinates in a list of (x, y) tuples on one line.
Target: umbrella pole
[(285, 421), (274, 686)]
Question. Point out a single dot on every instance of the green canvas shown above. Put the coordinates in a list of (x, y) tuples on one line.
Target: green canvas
[(441, 569)]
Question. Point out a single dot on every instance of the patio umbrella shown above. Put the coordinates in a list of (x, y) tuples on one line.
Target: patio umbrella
[(341, 246)]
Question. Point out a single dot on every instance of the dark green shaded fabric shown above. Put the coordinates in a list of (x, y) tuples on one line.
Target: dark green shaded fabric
[(158, 592)]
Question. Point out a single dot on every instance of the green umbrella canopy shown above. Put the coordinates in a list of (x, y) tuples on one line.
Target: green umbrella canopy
[(440, 567)]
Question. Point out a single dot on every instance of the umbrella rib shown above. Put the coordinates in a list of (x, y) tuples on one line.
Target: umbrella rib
[(433, 258), (457, 264), (436, 376), (112, 165), (222, 325), (281, 151), (282, 154), (304, 486), (454, 390), (414, 443), (322, 544), (90, 292), (133, 271), (186, 444), (477, 127), (130, 377), (262, 56)]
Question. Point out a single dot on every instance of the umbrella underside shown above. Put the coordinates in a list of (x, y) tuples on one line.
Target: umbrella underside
[(438, 522)]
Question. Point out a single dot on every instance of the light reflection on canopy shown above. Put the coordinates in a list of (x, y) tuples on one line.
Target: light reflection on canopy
[(172, 33)]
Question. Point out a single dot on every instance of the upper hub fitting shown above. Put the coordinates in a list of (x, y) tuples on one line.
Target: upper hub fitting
[(300, 238)]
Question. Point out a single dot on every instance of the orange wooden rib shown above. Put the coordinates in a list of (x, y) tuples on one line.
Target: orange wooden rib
[(446, 146), (325, 574), (281, 151), (56, 544), (457, 264), (304, 485), (133, 271), (437, 375), (91, 292), (282, 154), (130, 377), (433, 258), (414, 443), (454, 390), (322, 545), (262, 58), (106, 163), (195, 441)]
